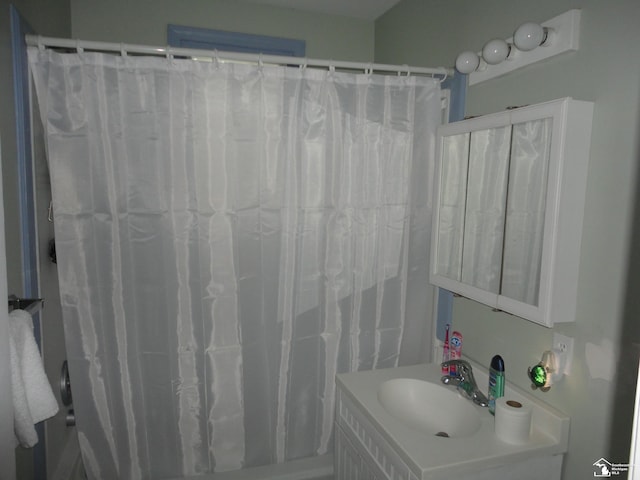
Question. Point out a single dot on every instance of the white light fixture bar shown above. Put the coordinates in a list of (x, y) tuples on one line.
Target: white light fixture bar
[(566, 37)]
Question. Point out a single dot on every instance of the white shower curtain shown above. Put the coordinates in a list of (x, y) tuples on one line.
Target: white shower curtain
[(229, 237)]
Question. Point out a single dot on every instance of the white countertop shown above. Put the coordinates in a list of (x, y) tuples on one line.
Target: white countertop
[(427, 455)]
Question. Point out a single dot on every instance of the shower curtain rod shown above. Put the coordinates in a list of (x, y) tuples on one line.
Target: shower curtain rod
[(125, 48)]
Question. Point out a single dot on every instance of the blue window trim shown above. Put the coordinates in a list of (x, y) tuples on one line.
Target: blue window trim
[(204, 38), (458, 86)]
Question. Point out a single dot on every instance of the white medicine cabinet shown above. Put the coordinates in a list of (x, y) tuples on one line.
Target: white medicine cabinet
[(509, 206)]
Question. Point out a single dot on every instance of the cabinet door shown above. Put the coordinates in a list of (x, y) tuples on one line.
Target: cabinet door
[(485, 208), (453, 197), (347, 461), (471, 215), (525, 214)]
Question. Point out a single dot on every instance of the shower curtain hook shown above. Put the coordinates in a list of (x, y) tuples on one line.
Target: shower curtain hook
[(169, 51), (79, 48), (216, 58), (40, 43), (123, 50), (446, 75)]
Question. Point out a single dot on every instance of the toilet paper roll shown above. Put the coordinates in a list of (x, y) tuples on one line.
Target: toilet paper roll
[(513, 421)]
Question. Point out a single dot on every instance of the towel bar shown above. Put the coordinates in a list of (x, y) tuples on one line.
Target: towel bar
[(31, 305)]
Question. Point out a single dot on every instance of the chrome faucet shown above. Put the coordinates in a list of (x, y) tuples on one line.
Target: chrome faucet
[(465, 382)]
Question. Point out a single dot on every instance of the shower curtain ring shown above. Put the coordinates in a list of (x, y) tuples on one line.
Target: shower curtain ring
[(408, 70), (79, 48), (446, 75), (123, 50)]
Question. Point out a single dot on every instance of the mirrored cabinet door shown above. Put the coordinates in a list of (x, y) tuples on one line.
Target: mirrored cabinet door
[(453, 194), (509, 207), (525, 210), (484, 223)]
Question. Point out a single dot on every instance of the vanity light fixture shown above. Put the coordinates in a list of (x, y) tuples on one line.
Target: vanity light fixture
[(496, 51), (531, 42), (531, 35), (467, 62)]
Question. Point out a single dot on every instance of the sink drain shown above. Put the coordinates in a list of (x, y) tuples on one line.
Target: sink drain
[(442, 434)]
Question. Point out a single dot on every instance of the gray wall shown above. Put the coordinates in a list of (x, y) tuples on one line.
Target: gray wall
[(145, 22), (606, 71)]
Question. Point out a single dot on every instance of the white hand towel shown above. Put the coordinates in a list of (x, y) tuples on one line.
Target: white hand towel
[(25, 433), (33, 399)]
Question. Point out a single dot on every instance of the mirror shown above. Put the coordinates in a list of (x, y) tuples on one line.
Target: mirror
[(507, 226), (526, 203), (485, 208), (492, 205), (453, 192)]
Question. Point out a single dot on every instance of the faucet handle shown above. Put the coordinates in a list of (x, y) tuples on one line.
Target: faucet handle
[(465, 381), (461, 366), (452, 380)]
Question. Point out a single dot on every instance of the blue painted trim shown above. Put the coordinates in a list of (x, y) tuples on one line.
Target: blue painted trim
[(458, 86), (205, 38), (23, 144), (26, 196), (445, 312)]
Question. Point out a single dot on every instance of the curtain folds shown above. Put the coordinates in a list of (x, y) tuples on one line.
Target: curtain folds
[(229, 237)]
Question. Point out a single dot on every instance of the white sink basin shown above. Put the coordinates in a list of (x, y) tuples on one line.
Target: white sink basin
[(428, 407)]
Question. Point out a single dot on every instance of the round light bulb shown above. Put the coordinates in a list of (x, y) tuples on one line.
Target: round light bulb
[(528, 36), (495, 51), (467, 62)]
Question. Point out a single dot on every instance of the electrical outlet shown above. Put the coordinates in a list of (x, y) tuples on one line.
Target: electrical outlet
[(563, 345)]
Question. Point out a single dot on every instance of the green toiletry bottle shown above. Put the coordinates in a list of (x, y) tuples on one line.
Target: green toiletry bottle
[(496, 382)]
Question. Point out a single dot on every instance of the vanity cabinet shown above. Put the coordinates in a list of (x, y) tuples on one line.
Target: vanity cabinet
[(509, 204), (360, 451), (375, 443), (350, 464)]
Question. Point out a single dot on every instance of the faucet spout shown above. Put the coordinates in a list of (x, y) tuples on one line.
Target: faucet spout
[(465, 381)]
